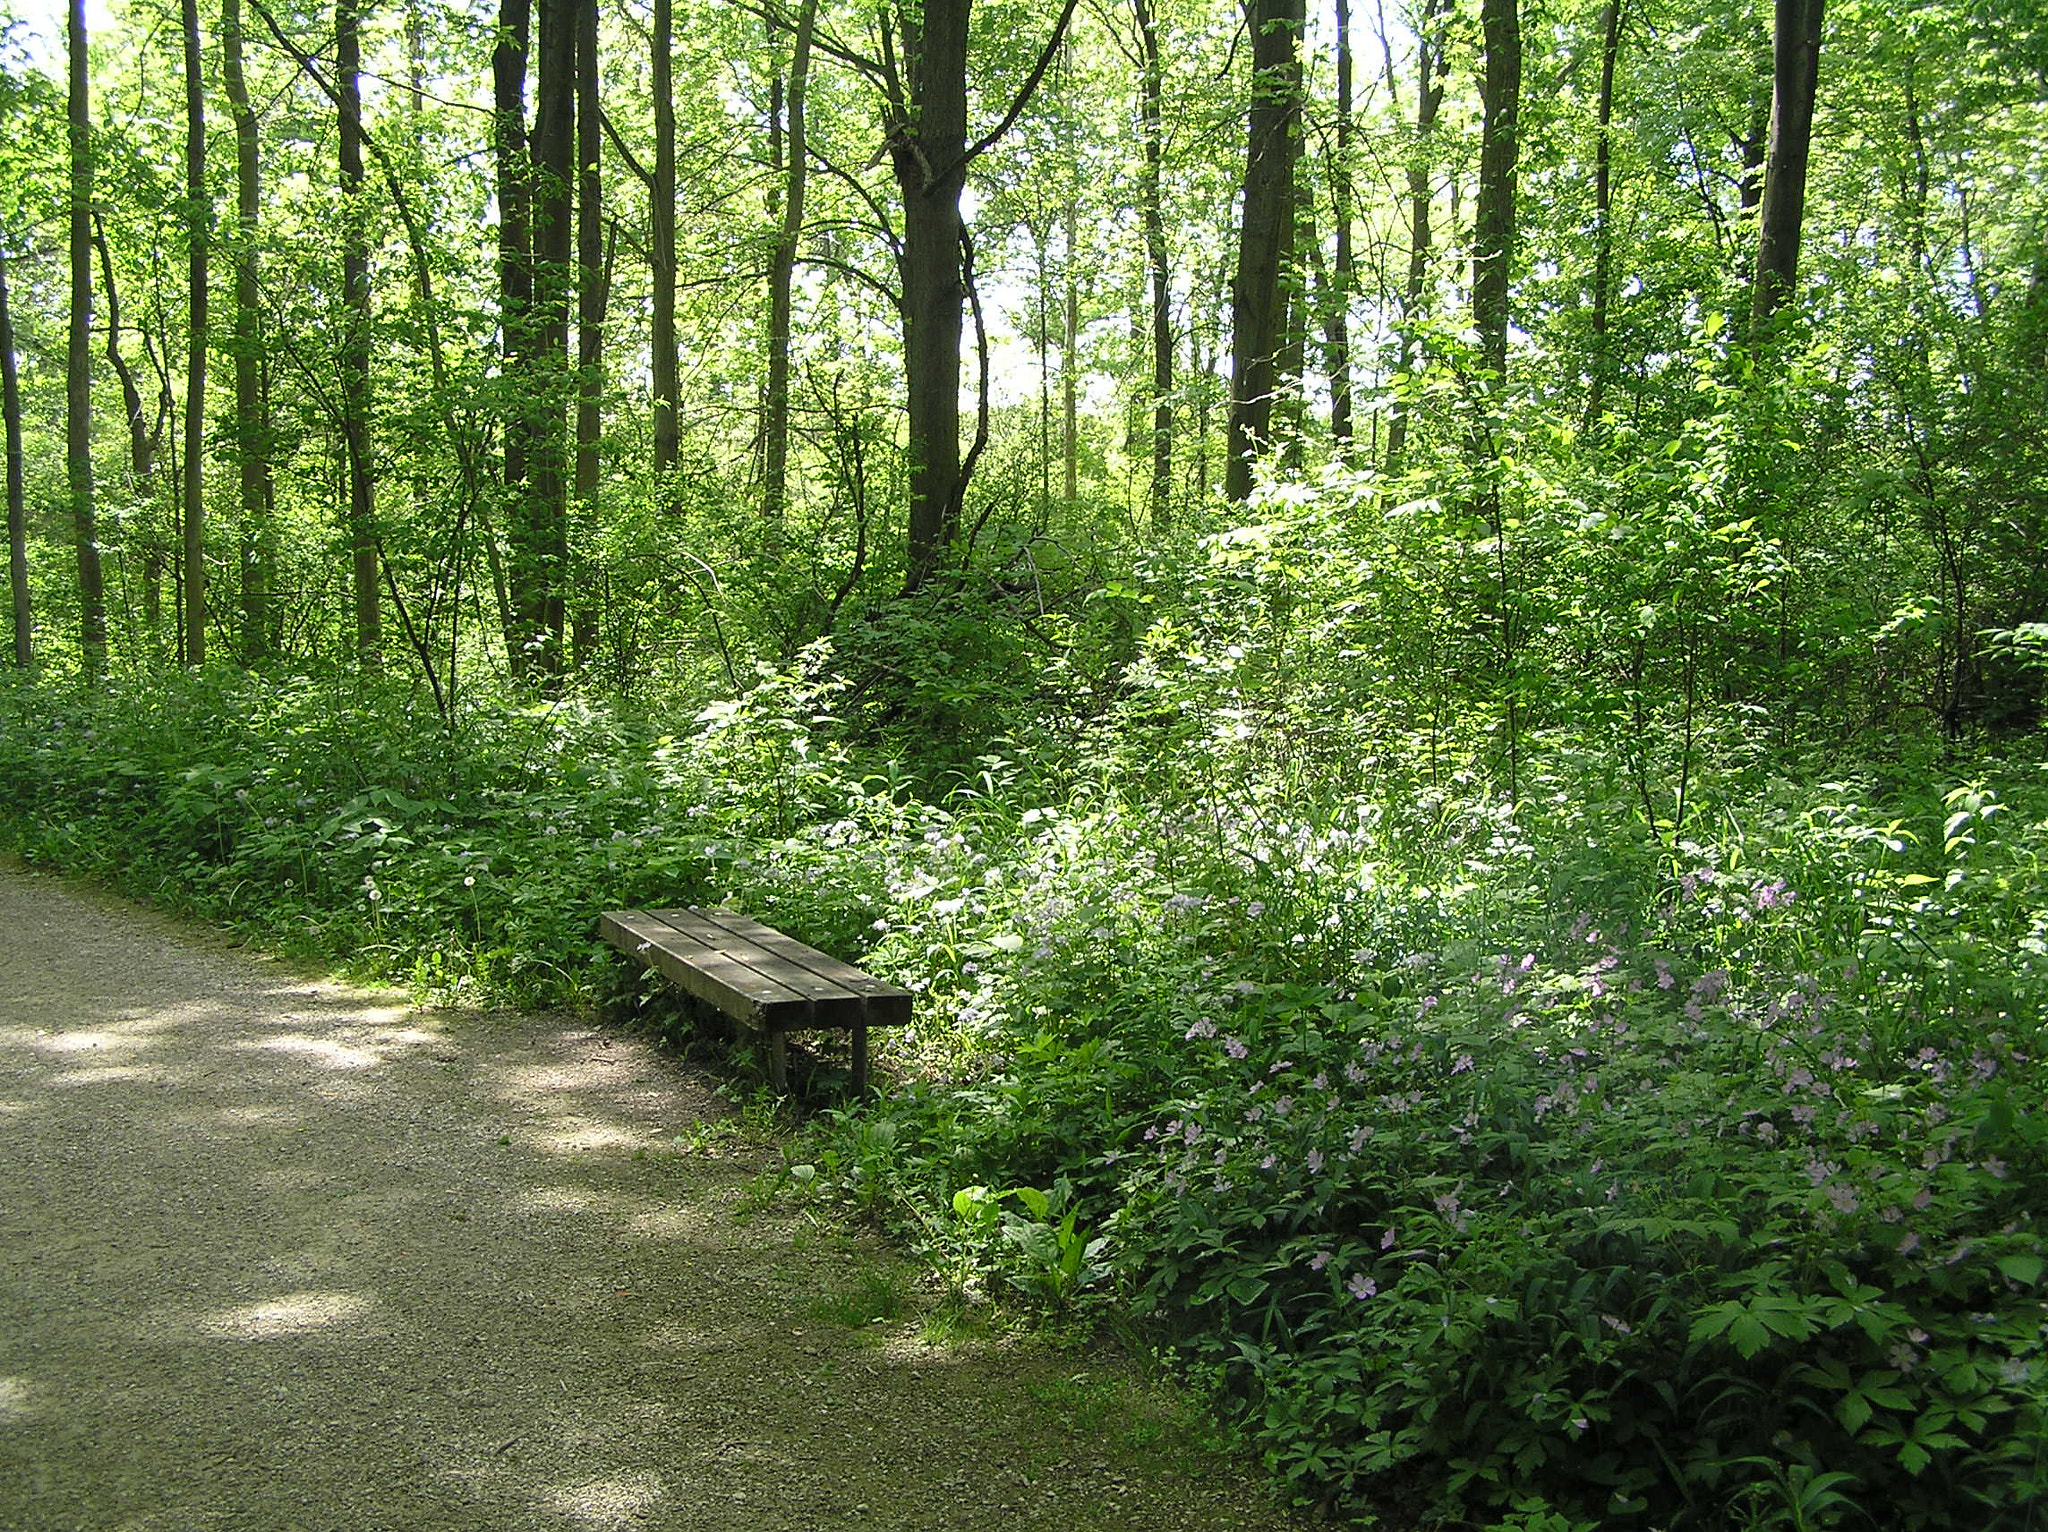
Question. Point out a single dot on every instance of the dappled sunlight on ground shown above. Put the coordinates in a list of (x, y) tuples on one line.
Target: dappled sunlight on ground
[(290, 1256), (325, 1051), (106, 1074), (667, 1223), (572, 1135), (14, 1399), (289, 1314), (75, 1042), (606, 1503)]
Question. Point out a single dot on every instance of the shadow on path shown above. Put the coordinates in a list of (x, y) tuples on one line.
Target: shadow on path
[(277, 1254)]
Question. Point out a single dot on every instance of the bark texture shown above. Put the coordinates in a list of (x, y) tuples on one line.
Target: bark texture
[(92, 599), (1258, 301), (355, 359), (1795, 82)]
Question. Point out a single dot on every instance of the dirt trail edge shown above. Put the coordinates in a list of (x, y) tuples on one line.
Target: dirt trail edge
[(278, 1254)]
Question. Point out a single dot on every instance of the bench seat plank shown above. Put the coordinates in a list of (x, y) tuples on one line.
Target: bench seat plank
[(831, 1003), (759, 976), (715, 977), (886, 1003)]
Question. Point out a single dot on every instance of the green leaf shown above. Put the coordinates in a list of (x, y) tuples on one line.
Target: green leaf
[(1748, 1335), (1248, 1288), (2023, 1269)]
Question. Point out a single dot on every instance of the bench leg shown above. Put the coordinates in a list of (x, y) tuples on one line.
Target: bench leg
[(860, 1062), (778, 1061)]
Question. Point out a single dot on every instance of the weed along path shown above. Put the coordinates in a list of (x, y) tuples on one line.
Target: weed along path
[(281, 1255)]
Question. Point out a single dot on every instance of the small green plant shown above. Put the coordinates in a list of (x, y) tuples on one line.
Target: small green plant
[(872, 1298)]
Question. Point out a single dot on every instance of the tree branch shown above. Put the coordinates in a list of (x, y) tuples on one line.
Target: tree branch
[(990, 139), (646, 176)]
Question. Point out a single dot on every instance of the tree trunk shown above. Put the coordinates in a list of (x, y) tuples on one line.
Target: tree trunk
[(1289, 424), (17, 508), (1070, 351), (1429, 99), (145, 434), (928, 150), (1258, 304), (415, 59), (666, 391), (252, 399), (1338, 326), (1603, 210), (92, 598), (1493, 214), (1493, 248), (592, 293), (355, 346), (198, 218), (1152, 211), (515, 269), (782, 278), (1795, 81), (540, 542)]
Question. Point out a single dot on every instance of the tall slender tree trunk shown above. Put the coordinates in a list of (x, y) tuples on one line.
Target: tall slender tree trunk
[(1429, 99), (1290, 404), (1070, 351), (1493, 214), (928, 151), (252, 396), (415, 58), (592, 295), (515, 279), (1338, 326), (1795, 82), (1151, 112), (1041, 335), (1258, 299), (667, 426), (145, 432), (198, 233), (355, 345), (1603, 213), (541, 540), (92, 598), (17, 507), (782, 278), (1493, 247)]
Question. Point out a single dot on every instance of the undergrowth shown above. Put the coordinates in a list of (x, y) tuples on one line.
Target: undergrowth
[(1543, 1167)]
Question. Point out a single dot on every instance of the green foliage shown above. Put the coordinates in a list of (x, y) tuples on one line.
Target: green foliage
[(1586, 1162), (1632, 1182), (338, 822)]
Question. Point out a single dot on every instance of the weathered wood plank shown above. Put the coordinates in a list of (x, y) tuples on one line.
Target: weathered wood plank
[(832, 1003), (886, 1003), (705, 972)]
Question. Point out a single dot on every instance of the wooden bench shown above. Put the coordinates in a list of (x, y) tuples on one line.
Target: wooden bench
[(761, 977)]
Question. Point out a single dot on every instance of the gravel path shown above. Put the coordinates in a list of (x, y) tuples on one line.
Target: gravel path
[(279, 1254)]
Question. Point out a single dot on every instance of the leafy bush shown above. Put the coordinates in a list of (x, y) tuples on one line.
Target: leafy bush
[(1713, 1188), (335, 822)]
